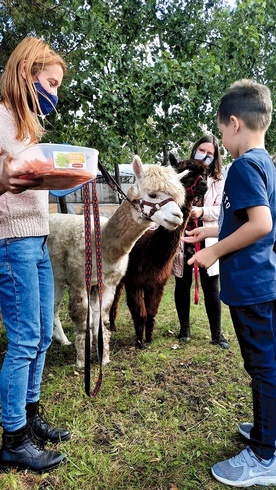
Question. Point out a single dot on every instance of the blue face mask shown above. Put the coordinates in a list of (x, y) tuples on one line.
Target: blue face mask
[(47, 102)]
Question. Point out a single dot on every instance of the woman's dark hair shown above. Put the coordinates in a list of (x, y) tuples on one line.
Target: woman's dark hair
[(215, 168)]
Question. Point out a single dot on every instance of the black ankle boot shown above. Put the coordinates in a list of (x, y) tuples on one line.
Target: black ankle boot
[(20, 451), (221, 341), (184, 334), (40, 426)]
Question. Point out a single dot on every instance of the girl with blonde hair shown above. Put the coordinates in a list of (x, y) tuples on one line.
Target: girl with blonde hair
[(29, 87)]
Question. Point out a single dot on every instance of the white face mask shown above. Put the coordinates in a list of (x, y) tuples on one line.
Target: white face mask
[(203, 156)]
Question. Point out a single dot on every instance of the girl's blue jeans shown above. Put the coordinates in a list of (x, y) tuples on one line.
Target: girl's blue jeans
[(255, 327), (27, 305)]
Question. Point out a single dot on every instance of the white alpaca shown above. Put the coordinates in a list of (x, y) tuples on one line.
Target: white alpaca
[(154, 184)]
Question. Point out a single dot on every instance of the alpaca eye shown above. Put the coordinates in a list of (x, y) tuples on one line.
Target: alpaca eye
[(153, 195)]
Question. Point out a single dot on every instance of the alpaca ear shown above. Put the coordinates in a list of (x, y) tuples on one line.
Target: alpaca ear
[(183, 174), (173, 161), (138, 167)]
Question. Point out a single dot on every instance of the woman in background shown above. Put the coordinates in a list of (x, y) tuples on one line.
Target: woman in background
[(205, 212)]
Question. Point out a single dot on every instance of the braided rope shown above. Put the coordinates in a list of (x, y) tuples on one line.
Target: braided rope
[(98, 251), (88, 275), (196, 270)]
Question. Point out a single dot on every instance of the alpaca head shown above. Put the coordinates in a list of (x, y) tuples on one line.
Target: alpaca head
[(195, 180), (154, 185)]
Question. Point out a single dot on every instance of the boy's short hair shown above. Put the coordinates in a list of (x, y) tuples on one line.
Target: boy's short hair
[(248, 100)]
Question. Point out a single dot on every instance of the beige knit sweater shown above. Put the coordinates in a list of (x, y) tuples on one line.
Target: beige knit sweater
[(25, 214)]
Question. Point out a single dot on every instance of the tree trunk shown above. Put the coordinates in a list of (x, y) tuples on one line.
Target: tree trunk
[(165, 155)]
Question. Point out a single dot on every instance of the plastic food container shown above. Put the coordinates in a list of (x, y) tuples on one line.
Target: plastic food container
[(57, 166)]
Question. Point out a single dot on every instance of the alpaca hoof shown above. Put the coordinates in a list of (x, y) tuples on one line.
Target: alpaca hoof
[(62, 339), (67, 342), (140, 345), (106, 361), (80, 365)]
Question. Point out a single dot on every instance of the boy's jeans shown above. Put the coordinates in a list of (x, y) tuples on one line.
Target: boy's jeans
[(27, 304), (255, 327)]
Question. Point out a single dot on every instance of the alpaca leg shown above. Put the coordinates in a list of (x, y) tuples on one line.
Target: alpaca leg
[(58, 333), (78, 312), (135, 303), (114, 306), (152, 297)]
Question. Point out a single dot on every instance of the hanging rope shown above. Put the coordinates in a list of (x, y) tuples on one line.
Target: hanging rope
[(88, 275), (196, 270)]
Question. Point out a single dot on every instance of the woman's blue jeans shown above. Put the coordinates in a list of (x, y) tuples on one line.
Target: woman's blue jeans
[(255, 327), (27, 305)]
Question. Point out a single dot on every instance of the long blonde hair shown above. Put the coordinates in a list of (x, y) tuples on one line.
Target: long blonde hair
[(18, 93)]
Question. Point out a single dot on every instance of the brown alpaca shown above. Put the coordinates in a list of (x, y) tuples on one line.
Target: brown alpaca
[(157, 189), (151, 258)]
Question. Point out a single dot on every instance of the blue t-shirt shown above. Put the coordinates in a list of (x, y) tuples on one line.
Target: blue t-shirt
[(248, 276)]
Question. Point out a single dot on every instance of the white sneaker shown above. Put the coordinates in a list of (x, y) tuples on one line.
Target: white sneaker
[(244, 429), (245, 470)]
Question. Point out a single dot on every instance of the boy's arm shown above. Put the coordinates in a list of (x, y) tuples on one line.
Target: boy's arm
[(258, 225)]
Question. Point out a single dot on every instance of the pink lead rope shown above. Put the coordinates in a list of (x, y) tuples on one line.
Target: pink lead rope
[(196, 270)]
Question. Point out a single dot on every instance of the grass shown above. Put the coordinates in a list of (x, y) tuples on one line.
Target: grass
[(162, 418)]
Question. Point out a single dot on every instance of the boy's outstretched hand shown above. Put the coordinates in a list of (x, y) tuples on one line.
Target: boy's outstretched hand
[(207, 256), (204, 258)]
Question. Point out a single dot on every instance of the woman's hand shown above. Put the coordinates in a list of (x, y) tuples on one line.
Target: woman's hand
[(195, 235), (10, 179), (199, 234), (197, 212)]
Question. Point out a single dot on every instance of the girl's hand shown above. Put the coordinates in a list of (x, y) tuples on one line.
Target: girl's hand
[(10, 179)]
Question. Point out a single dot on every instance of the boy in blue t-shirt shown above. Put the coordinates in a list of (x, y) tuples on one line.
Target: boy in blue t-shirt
[(246, 249)]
